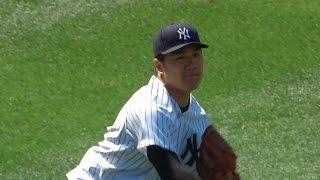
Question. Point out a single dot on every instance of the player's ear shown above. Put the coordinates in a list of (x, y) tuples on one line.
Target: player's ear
[(158, 66)]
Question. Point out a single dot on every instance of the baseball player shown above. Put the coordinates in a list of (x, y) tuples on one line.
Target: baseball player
[(157, 133)]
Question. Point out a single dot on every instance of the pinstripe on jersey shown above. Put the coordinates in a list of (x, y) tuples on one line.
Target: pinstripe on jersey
[(150, 117)]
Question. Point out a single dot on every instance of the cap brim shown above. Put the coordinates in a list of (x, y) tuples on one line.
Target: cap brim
[(174, 48)]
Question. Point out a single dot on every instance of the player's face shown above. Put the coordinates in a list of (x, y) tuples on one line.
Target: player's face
[(182, 69)]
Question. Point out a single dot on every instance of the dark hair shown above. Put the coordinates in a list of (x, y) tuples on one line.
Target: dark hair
[(160, 57)]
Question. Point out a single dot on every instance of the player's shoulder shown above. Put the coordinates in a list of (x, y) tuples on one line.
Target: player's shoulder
[(195, 106), (140, 96), (153, 91), (152, 97)]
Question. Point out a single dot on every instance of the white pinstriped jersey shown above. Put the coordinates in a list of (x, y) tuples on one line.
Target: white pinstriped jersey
[(150, 117)]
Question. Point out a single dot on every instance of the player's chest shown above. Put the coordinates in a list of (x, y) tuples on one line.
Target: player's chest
[(188, 138)]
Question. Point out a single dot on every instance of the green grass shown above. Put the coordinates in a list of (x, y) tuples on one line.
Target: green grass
[(67, 67)]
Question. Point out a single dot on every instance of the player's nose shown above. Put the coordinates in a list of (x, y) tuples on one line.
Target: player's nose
[(192, 63)]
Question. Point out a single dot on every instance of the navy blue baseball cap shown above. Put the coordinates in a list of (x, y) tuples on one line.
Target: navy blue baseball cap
[(175, 36)]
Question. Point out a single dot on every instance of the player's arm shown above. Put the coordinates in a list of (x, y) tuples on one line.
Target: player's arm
[(167, 164)]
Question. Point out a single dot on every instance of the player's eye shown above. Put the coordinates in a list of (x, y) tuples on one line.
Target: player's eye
[(179, 58), (196, 54)]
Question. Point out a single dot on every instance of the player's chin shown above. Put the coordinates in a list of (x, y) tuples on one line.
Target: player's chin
[(193, 84)]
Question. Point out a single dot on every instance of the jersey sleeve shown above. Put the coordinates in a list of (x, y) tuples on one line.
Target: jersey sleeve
[(154, 125), (152, 117), (158, 129)]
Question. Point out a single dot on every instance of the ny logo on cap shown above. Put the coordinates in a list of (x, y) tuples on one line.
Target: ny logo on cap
[(184, 33)]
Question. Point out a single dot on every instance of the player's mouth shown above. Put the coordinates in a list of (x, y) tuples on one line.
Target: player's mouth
[(193, 75), (194, 78)]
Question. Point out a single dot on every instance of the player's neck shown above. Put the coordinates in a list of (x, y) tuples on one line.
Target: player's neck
[(180, 96)]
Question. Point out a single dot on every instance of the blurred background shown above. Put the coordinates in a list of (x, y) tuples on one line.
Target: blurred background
[(67, 67)]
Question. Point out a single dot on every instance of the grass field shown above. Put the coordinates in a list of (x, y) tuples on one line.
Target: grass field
[(67, 67)]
